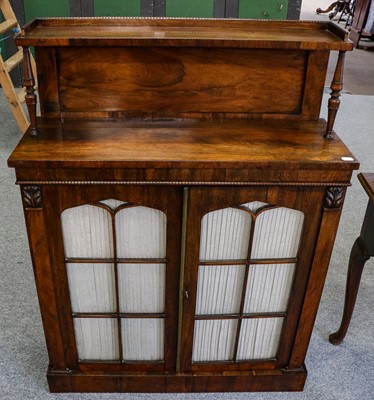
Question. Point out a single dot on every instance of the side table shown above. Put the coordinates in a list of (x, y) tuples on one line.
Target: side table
[(362, 250)]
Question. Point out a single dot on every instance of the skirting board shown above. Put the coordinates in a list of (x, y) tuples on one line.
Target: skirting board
[(251, 381)]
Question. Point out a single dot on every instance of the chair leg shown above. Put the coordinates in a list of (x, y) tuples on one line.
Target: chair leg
[(359, 255), (328, 9)]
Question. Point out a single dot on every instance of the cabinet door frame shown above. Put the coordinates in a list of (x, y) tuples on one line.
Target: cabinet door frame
[(166, 199), (201, 201)]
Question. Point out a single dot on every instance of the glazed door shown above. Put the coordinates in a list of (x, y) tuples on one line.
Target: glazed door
[(115, 251), (247, 257)]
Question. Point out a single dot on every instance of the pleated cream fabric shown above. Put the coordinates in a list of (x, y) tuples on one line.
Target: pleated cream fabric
[(226, 237), (140, 233)]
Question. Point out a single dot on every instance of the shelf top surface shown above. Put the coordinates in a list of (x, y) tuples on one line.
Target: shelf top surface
[(181, 144), (307, 35)]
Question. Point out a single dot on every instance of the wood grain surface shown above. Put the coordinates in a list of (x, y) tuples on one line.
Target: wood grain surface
[(181, 144), (181, 80), (305, 35)]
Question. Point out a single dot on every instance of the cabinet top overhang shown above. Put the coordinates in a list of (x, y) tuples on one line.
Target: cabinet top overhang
[(306, 35), (182, 144)]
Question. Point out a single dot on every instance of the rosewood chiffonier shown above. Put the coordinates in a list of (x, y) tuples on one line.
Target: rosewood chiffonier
[(181, 197)]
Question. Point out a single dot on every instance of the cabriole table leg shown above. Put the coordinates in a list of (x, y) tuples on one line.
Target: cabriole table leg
[(362, 250)]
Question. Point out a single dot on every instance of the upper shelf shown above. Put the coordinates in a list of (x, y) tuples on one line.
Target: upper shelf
[(305, 35)]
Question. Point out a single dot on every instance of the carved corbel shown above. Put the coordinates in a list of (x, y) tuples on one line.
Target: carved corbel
[(334, 197), (32, 197)]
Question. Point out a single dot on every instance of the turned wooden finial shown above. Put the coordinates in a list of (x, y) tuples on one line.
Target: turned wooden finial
[(29, 83), (336, 88)]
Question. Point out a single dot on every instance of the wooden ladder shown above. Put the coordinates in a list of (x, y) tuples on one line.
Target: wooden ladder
[(14, 97)]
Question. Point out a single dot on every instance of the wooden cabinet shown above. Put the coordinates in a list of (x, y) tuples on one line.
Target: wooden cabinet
[(181, 197)]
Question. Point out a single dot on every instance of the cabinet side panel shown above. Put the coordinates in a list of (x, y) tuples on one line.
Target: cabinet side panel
[(314, 83), (47, 81), (325, 243), (45, 288)]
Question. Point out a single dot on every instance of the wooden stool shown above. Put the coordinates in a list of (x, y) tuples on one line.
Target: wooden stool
[(362, 250)]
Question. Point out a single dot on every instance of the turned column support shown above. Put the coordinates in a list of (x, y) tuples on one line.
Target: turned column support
[(29, 83), (336, 88)]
